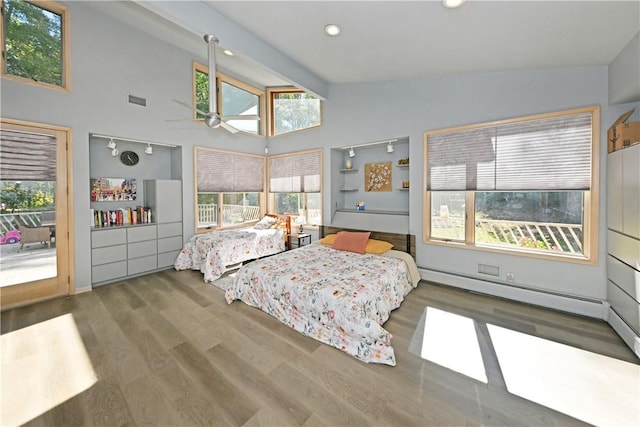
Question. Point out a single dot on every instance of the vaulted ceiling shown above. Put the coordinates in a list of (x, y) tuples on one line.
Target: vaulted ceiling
[(394, 40)]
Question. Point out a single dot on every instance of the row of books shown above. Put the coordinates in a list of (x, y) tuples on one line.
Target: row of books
[(122, 216)]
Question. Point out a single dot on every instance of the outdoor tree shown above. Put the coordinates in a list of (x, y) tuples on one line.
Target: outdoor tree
[(33, 42)]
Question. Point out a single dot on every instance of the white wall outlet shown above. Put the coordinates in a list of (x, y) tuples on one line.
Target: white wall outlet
[(511, 276)]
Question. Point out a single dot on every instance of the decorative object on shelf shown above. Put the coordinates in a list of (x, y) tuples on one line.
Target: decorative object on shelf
[(113, 189), (360, 205), (377, 176), (403, 162), (348, 164), (405, 184), (129, 158)]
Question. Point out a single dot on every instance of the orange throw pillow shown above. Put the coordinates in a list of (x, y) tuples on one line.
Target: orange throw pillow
[(352, 241)]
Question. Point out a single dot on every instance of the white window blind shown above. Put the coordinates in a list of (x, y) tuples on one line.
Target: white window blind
[(536, 155), (295, 173), (27, 156), (225, 172)]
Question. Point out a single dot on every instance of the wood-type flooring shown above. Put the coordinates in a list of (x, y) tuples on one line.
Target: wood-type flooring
[(167, 350)]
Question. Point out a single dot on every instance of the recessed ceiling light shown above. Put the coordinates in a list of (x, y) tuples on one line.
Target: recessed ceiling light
[(452, 4), (228, 52), (332, 30)]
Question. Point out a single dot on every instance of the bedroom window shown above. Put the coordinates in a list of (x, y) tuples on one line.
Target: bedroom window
[(234, 98), (524, 186), (35, 46), (295, 186), (291, 110), (229, 188)]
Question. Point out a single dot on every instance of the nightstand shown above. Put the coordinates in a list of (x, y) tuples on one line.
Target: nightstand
[(300, 239)]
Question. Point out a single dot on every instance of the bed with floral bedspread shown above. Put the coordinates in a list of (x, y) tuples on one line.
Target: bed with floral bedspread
[(337, 297), (212, 253)]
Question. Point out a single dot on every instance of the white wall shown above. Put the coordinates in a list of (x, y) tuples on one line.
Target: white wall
[(110, 61)]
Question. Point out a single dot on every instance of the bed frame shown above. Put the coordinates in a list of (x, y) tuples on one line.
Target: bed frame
[(401, 242)]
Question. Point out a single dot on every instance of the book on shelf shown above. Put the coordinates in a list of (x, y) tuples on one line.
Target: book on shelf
[(121, 216)]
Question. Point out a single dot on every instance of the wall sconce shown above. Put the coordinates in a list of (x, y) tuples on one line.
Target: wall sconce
[(149, 149), (352, 152), (389, 148)]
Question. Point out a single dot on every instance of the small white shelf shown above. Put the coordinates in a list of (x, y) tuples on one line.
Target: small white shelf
[(402, 166), (403, 189), (348, 170), (346, 190)]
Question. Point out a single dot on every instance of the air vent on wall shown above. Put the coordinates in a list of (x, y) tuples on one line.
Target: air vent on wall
[(137, 100), (491, 270)]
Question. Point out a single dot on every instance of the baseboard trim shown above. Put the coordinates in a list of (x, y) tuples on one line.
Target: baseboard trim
[(572, 304), (627, 334)]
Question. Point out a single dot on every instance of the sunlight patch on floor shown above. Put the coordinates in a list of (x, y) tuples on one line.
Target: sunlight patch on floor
[(450, 340), (43, 365), (596, 389)]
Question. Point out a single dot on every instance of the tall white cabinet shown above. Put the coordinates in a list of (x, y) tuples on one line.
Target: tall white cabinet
[(132, 250), (623, 244)]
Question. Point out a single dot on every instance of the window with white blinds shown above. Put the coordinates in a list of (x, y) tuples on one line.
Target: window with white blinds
[(295, 172), (227, 172), (27, 156), (547, 154)]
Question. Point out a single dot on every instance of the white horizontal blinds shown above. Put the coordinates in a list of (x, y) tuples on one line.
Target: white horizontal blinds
[(224, 172), (27, 156), (295, 173), (550, 154)]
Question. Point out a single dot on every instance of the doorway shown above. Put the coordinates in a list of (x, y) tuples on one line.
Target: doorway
[(35, 220)]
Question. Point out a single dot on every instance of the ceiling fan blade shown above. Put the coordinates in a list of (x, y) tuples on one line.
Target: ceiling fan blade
[(229, 127), (240, 117), (190, 107), (184, 120)]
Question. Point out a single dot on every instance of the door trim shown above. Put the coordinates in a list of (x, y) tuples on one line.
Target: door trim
[(40, 290)]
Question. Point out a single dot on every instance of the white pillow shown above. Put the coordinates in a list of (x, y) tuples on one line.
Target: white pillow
[(265, 223)]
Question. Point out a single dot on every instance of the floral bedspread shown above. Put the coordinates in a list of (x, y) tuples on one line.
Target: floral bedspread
[(212, 252), (339, 298)]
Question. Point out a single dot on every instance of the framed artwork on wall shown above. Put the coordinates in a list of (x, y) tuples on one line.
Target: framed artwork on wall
[(377, 176)]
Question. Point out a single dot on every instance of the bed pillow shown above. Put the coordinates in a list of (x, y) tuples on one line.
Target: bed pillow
[(352, 241), (377, 247), (265, 223), (373, 246), (328, 239)]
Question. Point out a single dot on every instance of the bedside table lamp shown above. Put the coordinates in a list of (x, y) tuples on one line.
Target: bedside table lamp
[(300, 221)]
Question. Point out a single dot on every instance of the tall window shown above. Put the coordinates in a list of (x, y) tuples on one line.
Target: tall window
[(295, 186), (525, 185), (229, 188), (292, 110), (234, 98), (34, 43)]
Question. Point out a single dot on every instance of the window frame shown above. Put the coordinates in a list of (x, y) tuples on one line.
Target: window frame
[(590, 218), (65, 19), (271, 92), (305, 206), (220, 195), (224, 78)]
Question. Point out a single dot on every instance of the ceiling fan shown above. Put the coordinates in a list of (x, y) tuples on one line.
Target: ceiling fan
[(212, 118)]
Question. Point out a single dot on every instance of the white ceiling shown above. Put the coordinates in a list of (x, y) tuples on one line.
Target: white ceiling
[(396, 40)]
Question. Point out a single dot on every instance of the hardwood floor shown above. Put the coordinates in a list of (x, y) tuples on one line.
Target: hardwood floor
[(166, 349)]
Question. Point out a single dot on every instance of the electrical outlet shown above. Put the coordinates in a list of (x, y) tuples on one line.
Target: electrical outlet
[(511, 276)]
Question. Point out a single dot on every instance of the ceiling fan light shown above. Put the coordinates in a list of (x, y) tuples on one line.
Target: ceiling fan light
[(352, 152), (332, 30), (452, 4)]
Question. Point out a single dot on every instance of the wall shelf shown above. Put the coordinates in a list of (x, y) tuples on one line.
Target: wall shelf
[(348, 190), (348, 170)]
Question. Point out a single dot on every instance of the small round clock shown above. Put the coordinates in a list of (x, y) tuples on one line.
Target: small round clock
[(129, 158)]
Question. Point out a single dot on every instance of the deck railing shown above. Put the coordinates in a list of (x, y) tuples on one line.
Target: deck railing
[(236, 214), (548, 236), (34, 219)]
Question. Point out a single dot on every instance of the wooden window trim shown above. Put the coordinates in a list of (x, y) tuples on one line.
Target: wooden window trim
[(270, 116), (65, 15)]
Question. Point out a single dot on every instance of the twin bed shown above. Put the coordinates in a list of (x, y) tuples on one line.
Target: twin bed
[(339, 291), (216, 252)]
